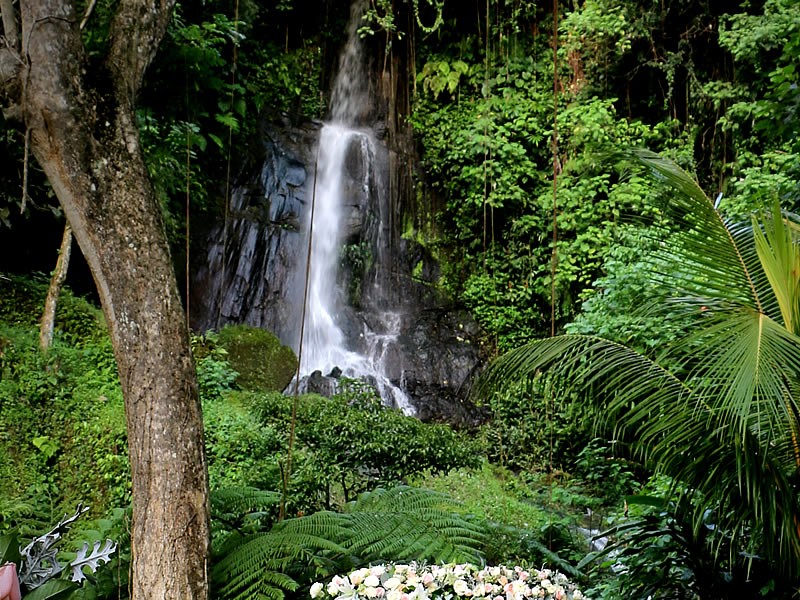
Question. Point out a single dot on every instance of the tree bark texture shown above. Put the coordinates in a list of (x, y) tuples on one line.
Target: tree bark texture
[(83, 133), (56, 283)]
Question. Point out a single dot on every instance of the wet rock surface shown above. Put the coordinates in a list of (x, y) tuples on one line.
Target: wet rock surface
[(249, 274)]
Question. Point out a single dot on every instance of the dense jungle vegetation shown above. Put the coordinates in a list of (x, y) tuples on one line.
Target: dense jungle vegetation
[(675, 435)]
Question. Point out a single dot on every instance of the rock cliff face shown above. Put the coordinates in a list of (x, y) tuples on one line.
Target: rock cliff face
[(254, 271), (379, 301), (250, 272)]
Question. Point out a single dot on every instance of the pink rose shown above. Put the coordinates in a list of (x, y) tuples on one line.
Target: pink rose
[(9, 584)]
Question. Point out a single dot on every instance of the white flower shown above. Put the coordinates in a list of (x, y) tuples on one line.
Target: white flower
[(460, 587), (392, 583), (356, 577), (448, 582)]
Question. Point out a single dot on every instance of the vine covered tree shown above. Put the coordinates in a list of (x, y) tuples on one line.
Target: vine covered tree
[(78, 109)]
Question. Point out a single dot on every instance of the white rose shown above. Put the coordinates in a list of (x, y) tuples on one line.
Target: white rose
[(393, 595), (460, 587), (316, 590), (372, 581), (392, 583), (356, 577)]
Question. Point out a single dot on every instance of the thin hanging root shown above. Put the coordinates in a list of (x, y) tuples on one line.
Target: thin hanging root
[(25, 155), (289, 450), (228, 170)]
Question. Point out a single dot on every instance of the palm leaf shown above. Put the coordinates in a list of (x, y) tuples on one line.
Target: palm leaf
[(724, 422), (776, 242), (241, 500), (258, 565)]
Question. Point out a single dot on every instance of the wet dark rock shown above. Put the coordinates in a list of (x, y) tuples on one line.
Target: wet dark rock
[(250, 274)]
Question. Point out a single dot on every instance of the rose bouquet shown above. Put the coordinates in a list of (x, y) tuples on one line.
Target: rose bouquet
[(447, 582)]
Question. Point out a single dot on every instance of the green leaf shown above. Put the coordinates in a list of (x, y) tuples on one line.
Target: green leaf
[(55, 589), (9, 549)]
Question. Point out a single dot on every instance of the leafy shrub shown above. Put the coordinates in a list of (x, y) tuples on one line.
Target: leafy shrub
[(529, 431), (348, 444), (663, 554), (214, 373), (22, 303), (528, 523), (399, 523), (240, 450)]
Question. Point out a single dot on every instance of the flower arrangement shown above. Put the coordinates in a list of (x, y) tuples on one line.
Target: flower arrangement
[(447, 582)]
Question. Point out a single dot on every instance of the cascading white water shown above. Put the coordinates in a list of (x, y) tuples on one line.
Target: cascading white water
[(324, 343)]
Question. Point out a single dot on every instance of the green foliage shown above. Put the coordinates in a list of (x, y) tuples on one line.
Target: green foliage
[(530, 519), (400, 523), (240, 450), (258, 357), (350, 443), (615, 307), (531, 430), (214, 372), (664, 554), (112, 581), (48, 463), (726, 408), (22, 303), (488, 157)]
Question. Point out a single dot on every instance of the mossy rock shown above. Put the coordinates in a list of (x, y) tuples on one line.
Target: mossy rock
[(257, 355)]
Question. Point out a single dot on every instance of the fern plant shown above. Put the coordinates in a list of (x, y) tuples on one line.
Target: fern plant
[(400, 523)]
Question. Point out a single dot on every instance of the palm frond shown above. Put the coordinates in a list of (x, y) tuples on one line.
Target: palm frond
[(777, 242), (705, 258), (725, 421), (401, 523), (260, 563)]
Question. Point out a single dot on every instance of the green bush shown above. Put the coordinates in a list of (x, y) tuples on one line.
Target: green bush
[(240, 450), (22, 303), (350, 443), (529, 431)]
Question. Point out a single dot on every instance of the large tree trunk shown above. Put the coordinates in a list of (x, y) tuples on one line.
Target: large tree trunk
[(82, 124)]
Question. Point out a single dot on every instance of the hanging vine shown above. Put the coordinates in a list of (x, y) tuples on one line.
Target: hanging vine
[(380, 16)]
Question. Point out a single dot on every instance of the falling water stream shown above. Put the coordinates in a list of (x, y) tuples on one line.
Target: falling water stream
[(325, 345)]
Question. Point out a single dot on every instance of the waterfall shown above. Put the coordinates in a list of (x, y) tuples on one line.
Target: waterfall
[(343, 141)]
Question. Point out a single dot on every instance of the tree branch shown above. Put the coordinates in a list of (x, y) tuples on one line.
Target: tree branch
[(10, 30), (136, 32), (9, 48)]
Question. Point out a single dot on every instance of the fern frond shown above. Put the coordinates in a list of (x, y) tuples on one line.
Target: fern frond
[(259, 564), (404, 523), (241, 500)]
